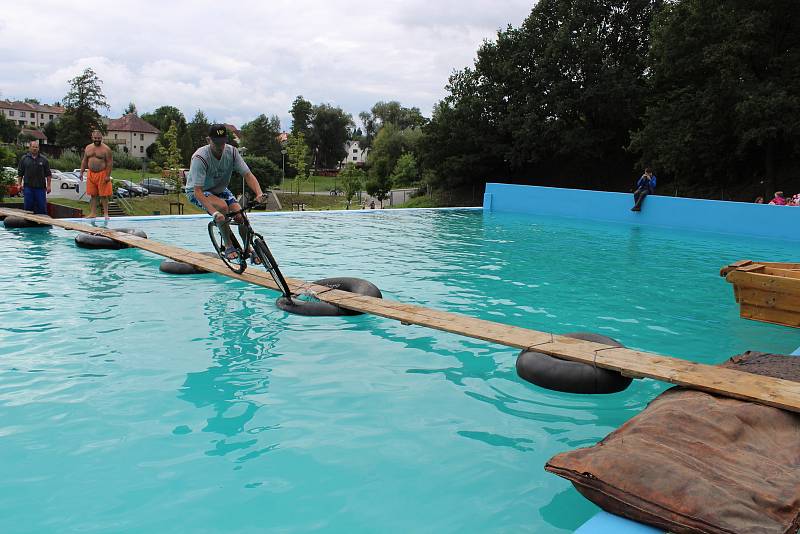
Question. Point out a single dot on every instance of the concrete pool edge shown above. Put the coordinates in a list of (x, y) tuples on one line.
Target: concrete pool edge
[(717, 216)]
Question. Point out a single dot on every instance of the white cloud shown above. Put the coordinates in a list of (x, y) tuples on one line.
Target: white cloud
[(239, 59)]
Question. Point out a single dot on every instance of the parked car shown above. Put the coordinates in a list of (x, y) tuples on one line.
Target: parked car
[(121, 192), (63, 180), (157, 186), (134, 189), (75, 175), (14, 190)]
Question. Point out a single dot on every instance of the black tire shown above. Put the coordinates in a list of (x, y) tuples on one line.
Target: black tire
[(240, 264), (269, 263), (64, 186)]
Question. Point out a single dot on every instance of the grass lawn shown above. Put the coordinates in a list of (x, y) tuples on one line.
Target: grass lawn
[(314, 202), (314, 183), (133, 176), (152, 203)]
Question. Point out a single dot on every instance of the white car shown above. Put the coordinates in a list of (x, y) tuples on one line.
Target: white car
[(64, 181)]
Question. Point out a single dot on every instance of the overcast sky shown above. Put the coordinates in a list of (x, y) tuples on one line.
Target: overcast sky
[(237, 59)]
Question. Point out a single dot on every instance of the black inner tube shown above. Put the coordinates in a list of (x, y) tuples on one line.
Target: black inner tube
[(571, 377), (319, 308), (14, 221), (102, 242), (179, 267)]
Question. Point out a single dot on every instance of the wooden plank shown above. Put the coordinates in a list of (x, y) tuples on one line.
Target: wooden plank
[(766, 282), (770, 315), (728, 382), (769, 299)]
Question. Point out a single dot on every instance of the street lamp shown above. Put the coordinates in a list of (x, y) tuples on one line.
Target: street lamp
[(283, 166)]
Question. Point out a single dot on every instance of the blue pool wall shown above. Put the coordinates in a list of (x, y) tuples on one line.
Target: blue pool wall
[(740, 218)]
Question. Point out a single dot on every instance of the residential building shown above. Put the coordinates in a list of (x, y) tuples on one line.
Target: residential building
[(131, 134), (30, 115), (38, 135), (354, 154), (236, 135)]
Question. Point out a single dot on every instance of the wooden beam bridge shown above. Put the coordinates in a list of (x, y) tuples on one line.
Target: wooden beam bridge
[(769, 391)]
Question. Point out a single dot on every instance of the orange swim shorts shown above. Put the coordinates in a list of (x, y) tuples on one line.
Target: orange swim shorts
[(97, 186)]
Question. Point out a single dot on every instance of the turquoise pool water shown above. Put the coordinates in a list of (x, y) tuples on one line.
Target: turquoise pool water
[(135, 401)]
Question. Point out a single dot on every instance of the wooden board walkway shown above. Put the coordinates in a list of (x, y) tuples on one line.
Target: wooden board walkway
[(726, 382)]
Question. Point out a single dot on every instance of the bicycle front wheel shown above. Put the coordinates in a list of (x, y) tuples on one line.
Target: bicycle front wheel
[(237, 264), (268, 261)]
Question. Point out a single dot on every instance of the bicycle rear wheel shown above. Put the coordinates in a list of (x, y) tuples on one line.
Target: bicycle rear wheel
[(269, 263), (238, 264)]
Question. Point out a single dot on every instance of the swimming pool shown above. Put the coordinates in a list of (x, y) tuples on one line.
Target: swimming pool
[(132, 400)]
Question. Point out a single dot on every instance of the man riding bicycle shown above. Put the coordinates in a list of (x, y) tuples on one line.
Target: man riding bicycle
[(209, 175)]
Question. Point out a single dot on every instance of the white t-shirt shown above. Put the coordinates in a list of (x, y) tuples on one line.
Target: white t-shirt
[(214, 174)]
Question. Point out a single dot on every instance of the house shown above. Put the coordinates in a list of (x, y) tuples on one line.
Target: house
[(236, 135), (355, 154), (131, 134), (30, 115), (33, 135)]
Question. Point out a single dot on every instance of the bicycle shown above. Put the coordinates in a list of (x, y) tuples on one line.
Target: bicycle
[(253, 241)]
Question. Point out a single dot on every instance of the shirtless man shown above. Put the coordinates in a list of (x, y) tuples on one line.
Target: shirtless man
[(99, 159)]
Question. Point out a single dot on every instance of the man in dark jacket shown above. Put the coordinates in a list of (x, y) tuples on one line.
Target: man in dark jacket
[(34, 178), (645, 186)]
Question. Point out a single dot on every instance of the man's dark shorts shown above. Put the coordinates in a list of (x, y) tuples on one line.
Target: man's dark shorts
[(35, 200)]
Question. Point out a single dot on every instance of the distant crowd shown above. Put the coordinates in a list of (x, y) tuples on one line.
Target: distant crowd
[(780, 200)]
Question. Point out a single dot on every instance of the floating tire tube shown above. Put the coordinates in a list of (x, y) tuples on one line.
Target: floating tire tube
[(571, 377), (179, 267), (100, 241), (14, 221), (320, 308)]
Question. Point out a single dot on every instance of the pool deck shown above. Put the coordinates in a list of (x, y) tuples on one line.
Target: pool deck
[(769, 391)]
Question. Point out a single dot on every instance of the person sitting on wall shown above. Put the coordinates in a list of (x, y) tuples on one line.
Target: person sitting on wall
[(645, 186), (778, 199)]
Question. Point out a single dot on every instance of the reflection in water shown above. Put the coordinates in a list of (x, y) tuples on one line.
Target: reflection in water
[(239, 374), (579, 510)]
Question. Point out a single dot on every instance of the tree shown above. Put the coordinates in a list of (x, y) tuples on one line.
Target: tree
[(260, 137), (51, 132), (329, 132), (170, 154), (32, 101), (130, 109), (81, 115), (723, 104), (405, 171), (301, 111), (8, 130), (298, 155), (162, 118), (352, 180), (198, 131), (379, 187), (266, 172)]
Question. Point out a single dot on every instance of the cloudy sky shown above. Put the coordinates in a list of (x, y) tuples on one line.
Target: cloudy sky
[(237, 59)]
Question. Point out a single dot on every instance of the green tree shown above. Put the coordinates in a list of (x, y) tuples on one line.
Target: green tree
[(298, 154), (32, 101), (352, 181), (302, 112), (162, 118), (81, 114), (260, 137), (379, 187), (265, 170), (51, 131), (170, 154), (198, 131), (724, 107), (8, 130), (405, 171), (330, 129), (130, 109)]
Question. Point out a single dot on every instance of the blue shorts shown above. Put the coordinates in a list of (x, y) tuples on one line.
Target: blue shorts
[(226, 195)]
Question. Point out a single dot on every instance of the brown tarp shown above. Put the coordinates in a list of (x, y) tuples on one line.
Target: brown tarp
[(695, 462)]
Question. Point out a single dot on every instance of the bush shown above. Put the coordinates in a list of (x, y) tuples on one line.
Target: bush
[(7, 157), (69, 160), (265, 170), (126, 161)]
